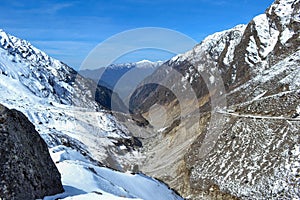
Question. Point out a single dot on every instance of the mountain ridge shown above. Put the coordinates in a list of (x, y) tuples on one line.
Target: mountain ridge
[(54, 79)]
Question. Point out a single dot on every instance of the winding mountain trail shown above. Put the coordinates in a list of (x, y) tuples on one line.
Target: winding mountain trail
[(257, 116)]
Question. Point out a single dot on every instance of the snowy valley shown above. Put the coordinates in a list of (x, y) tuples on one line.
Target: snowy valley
[(240, 88)]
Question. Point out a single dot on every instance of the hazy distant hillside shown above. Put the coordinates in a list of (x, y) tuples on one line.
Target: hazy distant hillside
[(122, 78)]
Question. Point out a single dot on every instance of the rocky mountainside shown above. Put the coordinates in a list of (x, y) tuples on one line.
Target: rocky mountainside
[(27, 170), (85, 140), (238, 54), (245, 85)]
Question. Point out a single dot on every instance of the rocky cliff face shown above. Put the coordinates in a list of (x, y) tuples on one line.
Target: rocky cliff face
[(256, 151), (27, 170)]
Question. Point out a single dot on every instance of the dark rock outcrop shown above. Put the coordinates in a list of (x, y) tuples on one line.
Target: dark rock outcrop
[(26, 168)]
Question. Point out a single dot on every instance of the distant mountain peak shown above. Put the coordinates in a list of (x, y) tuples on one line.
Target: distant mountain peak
[(147, 64), (109, 76), (138, 64)]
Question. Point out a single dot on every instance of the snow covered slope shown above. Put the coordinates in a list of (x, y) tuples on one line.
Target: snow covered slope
[(46, 91), (85, 180), (44, 76), (257, 152), (81, 135)]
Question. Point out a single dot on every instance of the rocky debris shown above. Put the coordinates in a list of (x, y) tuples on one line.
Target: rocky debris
[(253, 158), (26, 168)]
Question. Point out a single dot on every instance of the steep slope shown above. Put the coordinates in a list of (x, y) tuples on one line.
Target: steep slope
[(83, 137), (53, 96), (246, 86), (83, 179), (196, 69), (238, 54), (257, 153), (48, 78), (27, 170)]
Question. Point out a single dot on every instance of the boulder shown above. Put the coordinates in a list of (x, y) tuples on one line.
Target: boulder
[(26, 168)]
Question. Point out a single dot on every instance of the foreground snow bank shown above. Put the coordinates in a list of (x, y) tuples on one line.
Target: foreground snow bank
[(83, 179)]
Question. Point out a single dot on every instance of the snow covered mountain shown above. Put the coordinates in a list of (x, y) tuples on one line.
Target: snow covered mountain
[(254, 68), (49, 78), (109, 76), (118, 77), (68, 112), (257, 149)]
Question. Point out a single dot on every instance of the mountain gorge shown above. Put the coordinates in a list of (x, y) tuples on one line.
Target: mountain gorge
[(220, 121), (59, 98)]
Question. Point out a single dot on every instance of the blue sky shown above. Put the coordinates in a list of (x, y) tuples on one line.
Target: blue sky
[(69, 30)]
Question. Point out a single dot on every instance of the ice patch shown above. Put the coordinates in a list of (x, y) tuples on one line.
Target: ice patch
[(212, 79), (268, 36), (286, 35)]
